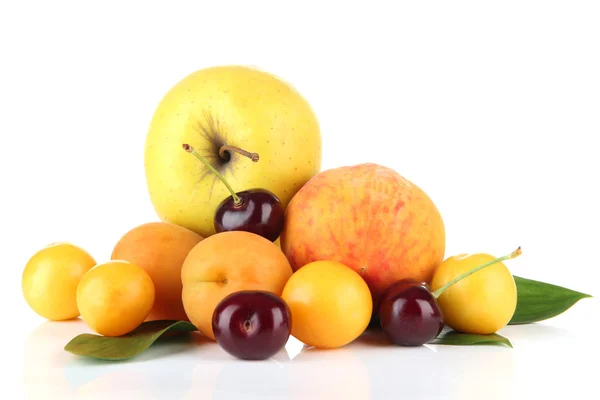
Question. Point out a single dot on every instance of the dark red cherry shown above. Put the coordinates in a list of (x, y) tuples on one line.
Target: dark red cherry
[(252, 324), (409, 313), (256, 210), (259, 211)]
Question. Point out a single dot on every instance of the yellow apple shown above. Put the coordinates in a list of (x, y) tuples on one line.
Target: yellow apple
[(219, 110)]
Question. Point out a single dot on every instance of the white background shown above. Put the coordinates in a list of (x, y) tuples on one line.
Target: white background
[(493, 108)]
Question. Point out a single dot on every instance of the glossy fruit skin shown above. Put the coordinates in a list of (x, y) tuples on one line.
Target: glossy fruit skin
[(115, 297), (252, 325), (261, 213), (50, 279), (409, 313), (482, 303), (331, 304)]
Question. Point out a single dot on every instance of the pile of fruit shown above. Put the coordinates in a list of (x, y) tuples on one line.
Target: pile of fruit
[(255, 243)]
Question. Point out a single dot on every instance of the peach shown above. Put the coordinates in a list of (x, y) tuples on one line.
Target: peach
[(225, 263), (369, 218), (160, 249)]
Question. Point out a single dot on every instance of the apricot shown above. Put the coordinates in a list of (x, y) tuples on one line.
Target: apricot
[(160, 249), (50, 279), (225, 263), (114, 298)]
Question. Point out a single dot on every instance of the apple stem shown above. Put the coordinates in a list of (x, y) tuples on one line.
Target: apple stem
[(441, 290), (236, 199), (253, 156)]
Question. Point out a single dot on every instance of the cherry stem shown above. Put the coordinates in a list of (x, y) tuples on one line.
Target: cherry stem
[(441, 290), (236, 199), (224, 149)]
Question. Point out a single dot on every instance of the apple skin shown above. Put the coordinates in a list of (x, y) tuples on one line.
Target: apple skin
[(369, 218), (236, 106)]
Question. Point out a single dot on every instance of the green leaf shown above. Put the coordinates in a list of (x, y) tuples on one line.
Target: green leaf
[(537, 301), (126, 346), (455, 338)]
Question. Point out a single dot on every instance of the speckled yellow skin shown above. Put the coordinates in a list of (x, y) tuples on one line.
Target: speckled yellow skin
[(369, 218), (228, 105), (481, 303)]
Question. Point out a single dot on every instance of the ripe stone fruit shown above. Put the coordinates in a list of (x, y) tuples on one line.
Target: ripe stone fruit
[(482, 303), (410, 313), (114, 298), (369, 218), (330, 304), (160, 249), (225, 263), (230, 115), (252, 325), (256, 210), (50, 278)]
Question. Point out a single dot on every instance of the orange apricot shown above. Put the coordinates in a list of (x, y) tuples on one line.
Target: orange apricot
[(160, 248), (228, 262)]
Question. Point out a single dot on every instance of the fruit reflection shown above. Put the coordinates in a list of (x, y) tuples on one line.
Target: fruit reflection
[(44, 358), (328, 374)]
